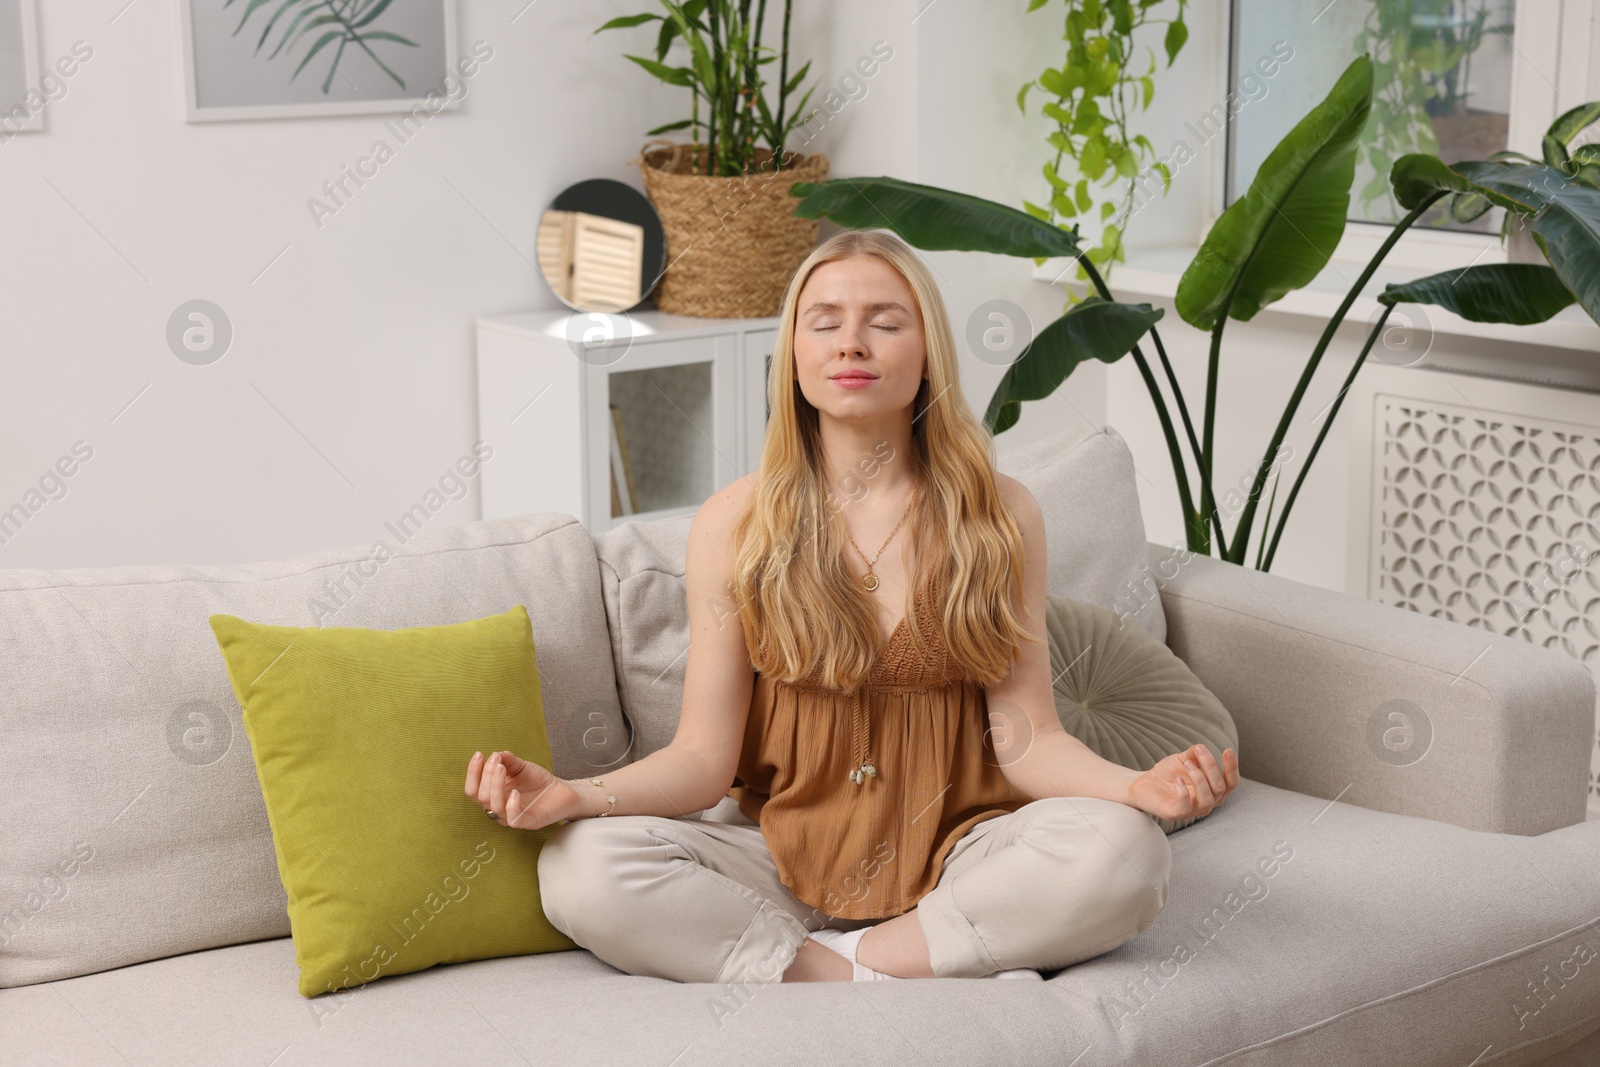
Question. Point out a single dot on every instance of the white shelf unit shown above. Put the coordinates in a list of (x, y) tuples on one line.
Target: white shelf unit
[(691, 393)]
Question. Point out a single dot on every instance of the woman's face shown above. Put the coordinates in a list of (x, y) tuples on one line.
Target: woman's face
[(858, 344)]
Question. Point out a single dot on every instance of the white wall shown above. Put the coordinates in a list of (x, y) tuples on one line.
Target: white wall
[(348, 389)]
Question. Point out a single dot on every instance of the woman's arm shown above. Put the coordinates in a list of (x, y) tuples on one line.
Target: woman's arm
[(1039, 757), (525, 795), (718, 678), (697, 767)]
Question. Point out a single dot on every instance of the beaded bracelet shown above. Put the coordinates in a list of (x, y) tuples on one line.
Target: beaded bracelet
[(609, 796)]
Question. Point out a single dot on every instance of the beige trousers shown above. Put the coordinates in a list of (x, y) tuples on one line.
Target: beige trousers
[(1058, 881)]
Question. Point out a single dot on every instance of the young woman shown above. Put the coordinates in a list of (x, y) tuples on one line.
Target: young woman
[(868, 677)]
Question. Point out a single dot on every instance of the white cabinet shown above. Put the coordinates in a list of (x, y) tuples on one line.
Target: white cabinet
[(684, 397)]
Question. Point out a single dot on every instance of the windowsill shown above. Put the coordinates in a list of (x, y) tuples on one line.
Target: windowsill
[(1565, 350)]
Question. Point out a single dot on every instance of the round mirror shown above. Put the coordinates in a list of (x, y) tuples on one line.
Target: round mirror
[(601, 246)]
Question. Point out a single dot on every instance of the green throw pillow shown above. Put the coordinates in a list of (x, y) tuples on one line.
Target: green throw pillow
[(361, 740), (1127, 695)]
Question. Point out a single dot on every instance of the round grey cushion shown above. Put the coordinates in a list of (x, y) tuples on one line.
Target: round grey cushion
[(1126, 695)]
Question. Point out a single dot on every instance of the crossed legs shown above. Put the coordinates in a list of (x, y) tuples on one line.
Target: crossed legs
[(1056, 882)]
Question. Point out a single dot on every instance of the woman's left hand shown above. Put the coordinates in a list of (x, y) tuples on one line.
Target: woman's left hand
[(1186, 784)]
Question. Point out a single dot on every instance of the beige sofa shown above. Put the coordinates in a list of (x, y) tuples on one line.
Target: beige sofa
[(1434, 911)]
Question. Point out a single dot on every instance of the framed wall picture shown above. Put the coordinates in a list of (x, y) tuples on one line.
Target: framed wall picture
[(21, 100), (244, 59)]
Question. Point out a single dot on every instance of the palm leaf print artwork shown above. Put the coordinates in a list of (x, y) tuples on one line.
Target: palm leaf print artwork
[(343, 22)]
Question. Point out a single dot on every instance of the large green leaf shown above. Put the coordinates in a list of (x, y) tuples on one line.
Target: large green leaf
[(1279, 235), (1465, 207), (1417, 176), (931, 218), (1093, 329), (1519, 293), (1574, 122), (1568, 232), (1566, 219), (1520, 187), (1586, 163)]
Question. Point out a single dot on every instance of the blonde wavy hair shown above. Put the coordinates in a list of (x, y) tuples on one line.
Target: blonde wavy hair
[(800, 607)]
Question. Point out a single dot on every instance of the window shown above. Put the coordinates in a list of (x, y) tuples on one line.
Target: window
[(1460, 79)]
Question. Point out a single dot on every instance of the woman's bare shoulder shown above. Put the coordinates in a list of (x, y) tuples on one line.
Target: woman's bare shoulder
[(717, 515), (1018, 498)]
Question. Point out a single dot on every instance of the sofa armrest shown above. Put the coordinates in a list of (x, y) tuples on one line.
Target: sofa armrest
[(1340, 697)]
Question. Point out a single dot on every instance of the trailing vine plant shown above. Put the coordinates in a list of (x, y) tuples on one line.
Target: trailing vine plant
[(1091, 97)]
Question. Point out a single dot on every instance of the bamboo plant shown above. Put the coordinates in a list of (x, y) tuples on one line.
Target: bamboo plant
[(724, 72)]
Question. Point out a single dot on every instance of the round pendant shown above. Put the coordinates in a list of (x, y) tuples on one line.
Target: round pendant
[(870, 580)]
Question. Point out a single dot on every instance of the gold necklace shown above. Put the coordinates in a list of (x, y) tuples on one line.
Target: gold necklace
[(869, 579)]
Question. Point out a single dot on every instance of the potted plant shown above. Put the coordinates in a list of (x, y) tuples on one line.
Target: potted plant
[(1273, 240), (733, 241)]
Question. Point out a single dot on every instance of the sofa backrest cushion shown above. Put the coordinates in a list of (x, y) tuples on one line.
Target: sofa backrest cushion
[(132, 824), (647, 611), (1094, 530), (1083, 480)]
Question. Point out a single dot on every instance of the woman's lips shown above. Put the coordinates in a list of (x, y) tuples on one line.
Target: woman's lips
[(853, 381)]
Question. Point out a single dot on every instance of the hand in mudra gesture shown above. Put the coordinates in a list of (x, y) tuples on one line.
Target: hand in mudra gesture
[(1186, 784), (522, 793)]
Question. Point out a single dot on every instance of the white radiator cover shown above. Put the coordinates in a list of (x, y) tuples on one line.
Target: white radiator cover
[(1478, 500)]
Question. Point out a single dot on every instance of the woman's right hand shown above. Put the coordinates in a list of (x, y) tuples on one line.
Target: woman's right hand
[(522, 793)]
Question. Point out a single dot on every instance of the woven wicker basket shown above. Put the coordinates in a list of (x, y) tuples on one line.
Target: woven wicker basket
[(732, 243)]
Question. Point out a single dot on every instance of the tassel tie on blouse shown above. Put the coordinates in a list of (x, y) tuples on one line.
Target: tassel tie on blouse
[(860, 737)]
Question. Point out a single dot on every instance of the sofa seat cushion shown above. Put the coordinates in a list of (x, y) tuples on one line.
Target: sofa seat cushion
[(124, 761), (1094, 535), (1376, 939)]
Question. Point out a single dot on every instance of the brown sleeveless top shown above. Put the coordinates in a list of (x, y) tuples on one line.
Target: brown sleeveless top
[(872, 850)]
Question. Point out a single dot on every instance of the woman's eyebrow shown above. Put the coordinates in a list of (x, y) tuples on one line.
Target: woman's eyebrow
[(881, 305)]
